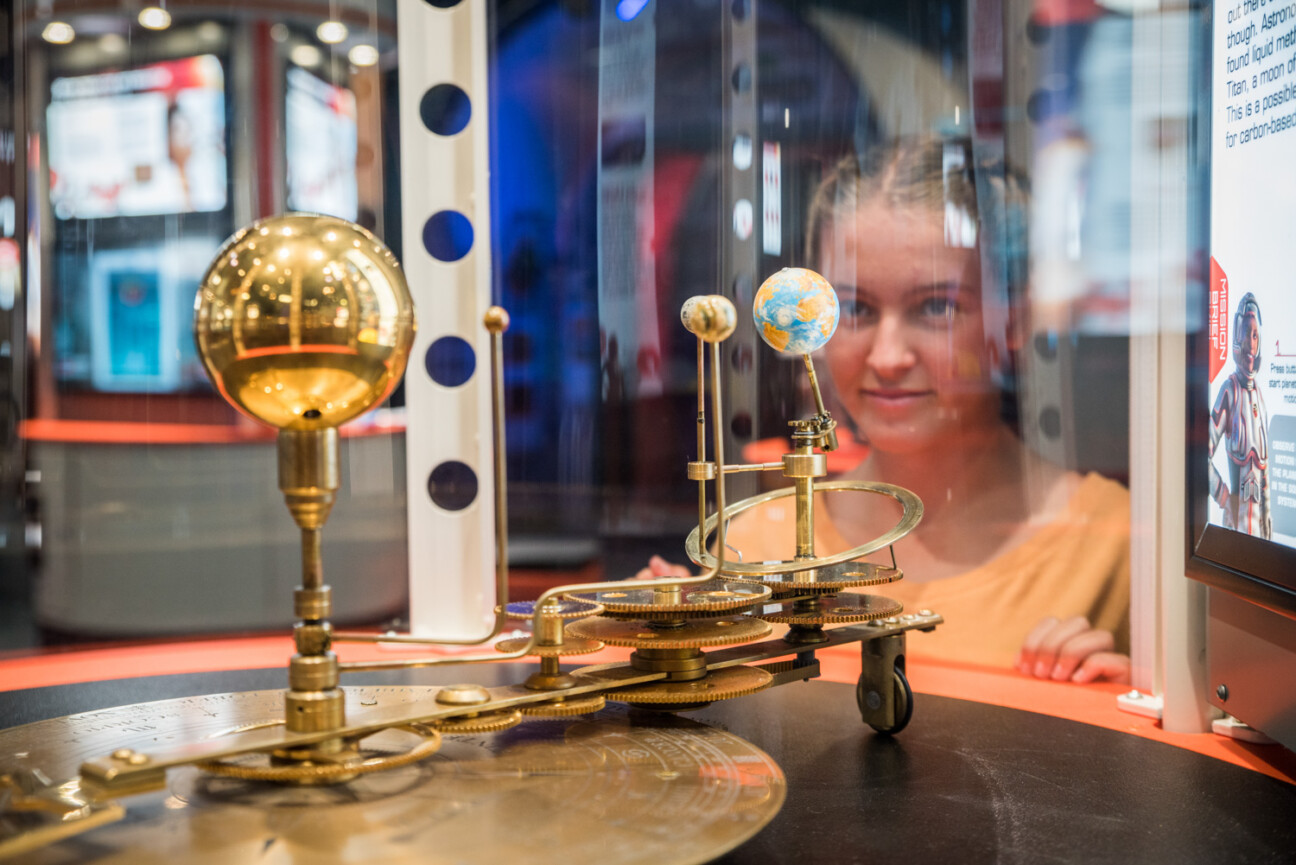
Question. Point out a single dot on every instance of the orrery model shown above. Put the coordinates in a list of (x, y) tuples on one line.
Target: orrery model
[(305, 322)]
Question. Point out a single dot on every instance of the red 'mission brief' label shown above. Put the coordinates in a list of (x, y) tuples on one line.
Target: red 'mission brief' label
[(1217, 322)]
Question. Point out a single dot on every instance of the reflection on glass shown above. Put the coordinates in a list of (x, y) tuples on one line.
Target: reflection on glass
[(616, 135), (149, 142)]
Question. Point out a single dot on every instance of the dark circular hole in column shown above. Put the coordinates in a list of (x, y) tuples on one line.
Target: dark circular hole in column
[(1050, 422), (1046, 347), (742, 358), (447, 235), (1036, 32), (742, 288), (445, 109), (742, 151), (741, 78), (443, 4), (1044, 104), (452, 486), (450, 361), (741, 425)]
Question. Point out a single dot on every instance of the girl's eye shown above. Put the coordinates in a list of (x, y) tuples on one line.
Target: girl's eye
[(938, 307), (853, 307)]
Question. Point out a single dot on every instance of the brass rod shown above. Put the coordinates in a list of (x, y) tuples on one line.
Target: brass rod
[(501, 471), (701, 428), (753, 467), (312, 561), (363, 637), (814, 385), (804, 517), (721, 525)]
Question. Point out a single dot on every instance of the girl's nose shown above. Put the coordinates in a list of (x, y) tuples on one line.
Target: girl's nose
[(890, 355)]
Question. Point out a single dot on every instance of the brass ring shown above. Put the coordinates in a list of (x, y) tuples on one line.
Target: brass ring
[(913, 511)]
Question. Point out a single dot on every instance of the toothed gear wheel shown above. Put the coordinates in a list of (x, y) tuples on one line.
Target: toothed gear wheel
[(704, 599), (837, 610), (723, 684), (846, 575), (570, 646), (565, 708), (695, 633), (487, 722), (559, 608)]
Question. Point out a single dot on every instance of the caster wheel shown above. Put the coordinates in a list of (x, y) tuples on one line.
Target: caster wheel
[(903, 703)]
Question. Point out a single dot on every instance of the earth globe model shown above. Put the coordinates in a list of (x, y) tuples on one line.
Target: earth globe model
[(796, 310), (304, 321)]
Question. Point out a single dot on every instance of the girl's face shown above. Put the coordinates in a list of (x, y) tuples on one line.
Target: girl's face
[(910, 358)]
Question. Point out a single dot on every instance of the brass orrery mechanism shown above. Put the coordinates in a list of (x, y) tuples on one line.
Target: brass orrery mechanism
[(304, 322)]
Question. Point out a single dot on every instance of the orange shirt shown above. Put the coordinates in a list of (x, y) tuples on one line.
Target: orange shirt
[(1076, 565)]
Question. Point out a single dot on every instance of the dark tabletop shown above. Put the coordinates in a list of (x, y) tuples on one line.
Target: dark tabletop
[(965, 782)]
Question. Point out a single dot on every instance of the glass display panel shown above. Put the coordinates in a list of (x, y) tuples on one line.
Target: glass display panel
[(640, 154)]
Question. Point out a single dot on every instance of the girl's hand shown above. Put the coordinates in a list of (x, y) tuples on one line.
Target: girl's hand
[(1071, 650), (659, 567)]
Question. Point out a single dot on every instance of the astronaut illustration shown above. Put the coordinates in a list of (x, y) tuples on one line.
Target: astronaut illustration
[(1240, 419)]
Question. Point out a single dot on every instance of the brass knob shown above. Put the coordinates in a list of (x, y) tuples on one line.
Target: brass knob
[(496, 319), (304, 321)]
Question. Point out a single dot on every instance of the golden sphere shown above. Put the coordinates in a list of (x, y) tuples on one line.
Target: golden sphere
[(710, 317), (496, 319), (304, 321)]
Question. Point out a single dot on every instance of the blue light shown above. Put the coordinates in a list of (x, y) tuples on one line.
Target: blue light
[(626, 10)]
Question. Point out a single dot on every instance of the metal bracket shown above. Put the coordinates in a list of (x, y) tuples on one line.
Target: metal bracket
[(1137, 703), (879, 659), (1240, 730)]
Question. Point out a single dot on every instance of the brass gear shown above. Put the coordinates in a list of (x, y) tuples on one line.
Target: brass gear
[(565, 608), (705, 599), (487, 722), (723, 684), (564, 708), (838, 610), (569, 646), (831, 578), (681, 615), (695, 633)]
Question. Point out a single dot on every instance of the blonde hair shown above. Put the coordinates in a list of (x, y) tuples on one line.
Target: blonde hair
[(983, 204)]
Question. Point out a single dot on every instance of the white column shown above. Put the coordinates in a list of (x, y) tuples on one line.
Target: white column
[(451, 551)]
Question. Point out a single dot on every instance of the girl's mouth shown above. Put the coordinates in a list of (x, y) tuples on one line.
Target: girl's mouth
[(895, 396)]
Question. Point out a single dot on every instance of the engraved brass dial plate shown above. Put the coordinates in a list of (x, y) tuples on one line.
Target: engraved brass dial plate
[(617, 787)]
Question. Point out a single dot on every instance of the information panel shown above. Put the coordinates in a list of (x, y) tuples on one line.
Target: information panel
[(1252, 306)]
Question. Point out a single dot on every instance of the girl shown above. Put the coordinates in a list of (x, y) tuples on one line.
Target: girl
[(1027, 562)]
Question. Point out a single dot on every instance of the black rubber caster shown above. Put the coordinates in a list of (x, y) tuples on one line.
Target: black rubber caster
[(903, 702)]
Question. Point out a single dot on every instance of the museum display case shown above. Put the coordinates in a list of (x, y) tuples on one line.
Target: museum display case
[(698, 426)]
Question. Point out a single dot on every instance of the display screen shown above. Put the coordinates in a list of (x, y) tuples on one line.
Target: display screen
[(127, 317), (136, 142), (320, 120), (134, 318), (1243, 464)]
